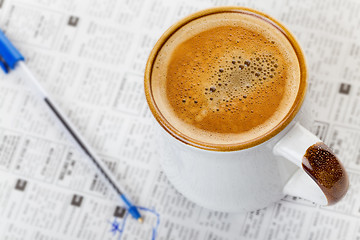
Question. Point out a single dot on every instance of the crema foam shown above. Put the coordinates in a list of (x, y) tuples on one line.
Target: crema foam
[(226, 78)]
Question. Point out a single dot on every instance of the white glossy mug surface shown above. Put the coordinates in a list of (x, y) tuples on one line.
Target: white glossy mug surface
[(237, 181)]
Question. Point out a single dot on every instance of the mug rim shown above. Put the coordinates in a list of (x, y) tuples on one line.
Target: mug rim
[(234, 146)]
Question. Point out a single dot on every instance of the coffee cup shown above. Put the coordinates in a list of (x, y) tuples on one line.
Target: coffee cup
[(226, 87)]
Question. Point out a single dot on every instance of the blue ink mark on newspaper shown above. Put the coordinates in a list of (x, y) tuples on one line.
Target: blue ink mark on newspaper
[(118, 227)]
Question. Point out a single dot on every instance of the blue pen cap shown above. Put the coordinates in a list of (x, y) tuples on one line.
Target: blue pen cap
[(9, 54)]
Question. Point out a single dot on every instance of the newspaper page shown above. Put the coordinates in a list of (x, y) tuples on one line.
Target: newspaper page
[(90, 55)]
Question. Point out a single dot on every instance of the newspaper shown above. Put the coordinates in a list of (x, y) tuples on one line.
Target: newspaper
[(90, 55)]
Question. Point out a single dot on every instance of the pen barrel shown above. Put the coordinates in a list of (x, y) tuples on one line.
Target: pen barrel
[(83, 146), (25, 73)]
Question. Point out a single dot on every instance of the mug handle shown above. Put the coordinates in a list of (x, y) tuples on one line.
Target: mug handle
[(321, 178)]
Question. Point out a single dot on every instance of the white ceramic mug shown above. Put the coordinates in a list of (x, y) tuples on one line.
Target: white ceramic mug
[(245, 177)]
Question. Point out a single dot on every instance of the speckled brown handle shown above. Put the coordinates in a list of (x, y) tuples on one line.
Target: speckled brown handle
[(326, 170)]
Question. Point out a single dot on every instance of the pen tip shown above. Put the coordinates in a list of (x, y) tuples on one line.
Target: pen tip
[(140, 220)]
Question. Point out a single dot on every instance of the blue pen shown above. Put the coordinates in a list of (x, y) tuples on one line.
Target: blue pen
[(10, 58)]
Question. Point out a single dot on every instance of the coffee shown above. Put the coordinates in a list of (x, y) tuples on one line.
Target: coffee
[(226, 78)]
